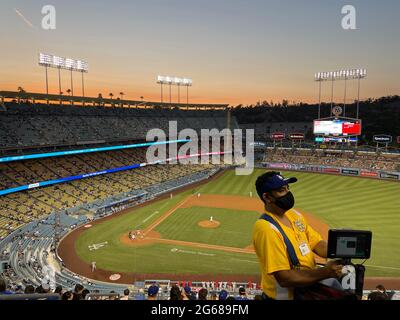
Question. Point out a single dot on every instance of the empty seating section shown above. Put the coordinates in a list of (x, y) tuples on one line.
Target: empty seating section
[(19, 208), (40, 125)]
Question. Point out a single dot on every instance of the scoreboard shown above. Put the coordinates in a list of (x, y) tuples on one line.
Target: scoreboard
[(337, 127)]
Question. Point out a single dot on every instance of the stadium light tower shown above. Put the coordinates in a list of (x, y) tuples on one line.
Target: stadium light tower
[(48, 60), (175, 81), (347, 74)]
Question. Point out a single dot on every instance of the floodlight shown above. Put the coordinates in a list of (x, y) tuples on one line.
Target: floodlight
[(169, 80), (48, 60)]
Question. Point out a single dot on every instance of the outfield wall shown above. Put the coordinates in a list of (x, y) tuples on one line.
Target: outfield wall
[(355, 172)]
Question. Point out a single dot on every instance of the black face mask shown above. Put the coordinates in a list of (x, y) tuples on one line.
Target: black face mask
[(286, 202)]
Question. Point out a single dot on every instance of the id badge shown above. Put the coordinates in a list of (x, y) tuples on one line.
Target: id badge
[(304, 249)]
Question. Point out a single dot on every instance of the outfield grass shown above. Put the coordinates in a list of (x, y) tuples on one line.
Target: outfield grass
[(339, 201)]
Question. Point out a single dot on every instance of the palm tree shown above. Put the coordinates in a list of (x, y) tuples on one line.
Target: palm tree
[(111, 95), (122, 95), (21, 90), (69, 91), (141, 97)]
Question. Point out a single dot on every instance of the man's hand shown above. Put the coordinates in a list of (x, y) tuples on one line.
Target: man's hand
[(300, 278), (334, 268)]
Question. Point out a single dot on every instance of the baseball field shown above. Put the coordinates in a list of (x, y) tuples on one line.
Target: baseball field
[(205, 232)]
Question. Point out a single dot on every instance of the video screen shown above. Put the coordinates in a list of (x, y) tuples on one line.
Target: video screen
[(337, 127), (349, 244)]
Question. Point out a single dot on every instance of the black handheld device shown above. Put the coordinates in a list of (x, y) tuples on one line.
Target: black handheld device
[(349, 244)]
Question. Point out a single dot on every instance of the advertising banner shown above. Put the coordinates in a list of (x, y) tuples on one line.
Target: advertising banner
[(296, 136), (387, 175), (331, 170), (383, 138), (368, 174), (278, 136), (353, 172)]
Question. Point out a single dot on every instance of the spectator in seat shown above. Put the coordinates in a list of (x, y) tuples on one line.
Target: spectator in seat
[(85, 292), (67, 296), (45, 288), (3, 287), (39, 289), (152, 292), (242, 294), (223, 295), (126, 295), (203, 294), (29, 289), (58, 290), (378, 294), (175, 293), (78, 292), (189, 293), (113, 297)]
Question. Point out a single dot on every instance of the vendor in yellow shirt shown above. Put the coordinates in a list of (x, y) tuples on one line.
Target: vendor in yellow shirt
[(278, 277)]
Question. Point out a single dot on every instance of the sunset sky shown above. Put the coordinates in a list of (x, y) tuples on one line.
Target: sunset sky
[(236, 51)]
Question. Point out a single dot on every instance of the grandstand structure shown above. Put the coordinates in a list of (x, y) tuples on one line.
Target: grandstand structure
[(35, 98), (379, 116), (46, 127), (32, 221), (362, 160), (40, 125), (30, 251)]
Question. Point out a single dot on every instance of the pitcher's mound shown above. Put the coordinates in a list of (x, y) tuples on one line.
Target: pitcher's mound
[(209, 224)]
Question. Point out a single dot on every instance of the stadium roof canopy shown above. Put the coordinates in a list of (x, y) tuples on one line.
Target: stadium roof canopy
[(54, 98)]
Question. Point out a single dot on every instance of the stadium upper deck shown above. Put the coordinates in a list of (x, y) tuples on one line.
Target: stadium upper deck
[(24, 123)]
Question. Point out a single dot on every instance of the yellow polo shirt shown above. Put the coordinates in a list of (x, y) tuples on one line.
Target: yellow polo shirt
[(272, 254)]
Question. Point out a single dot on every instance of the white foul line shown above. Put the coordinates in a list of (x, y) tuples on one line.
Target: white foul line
[(382, 267), (150, 216)]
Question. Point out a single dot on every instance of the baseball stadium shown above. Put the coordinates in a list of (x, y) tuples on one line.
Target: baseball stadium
[(99, 194)]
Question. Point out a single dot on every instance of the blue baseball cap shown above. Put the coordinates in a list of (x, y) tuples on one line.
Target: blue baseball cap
[(276, 182), (153, 290), (223, 295)]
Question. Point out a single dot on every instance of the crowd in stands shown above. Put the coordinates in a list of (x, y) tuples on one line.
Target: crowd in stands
[(173, 293), (338, 159), (153, 292)]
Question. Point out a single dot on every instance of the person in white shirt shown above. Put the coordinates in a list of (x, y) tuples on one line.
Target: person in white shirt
[(126, 295)]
